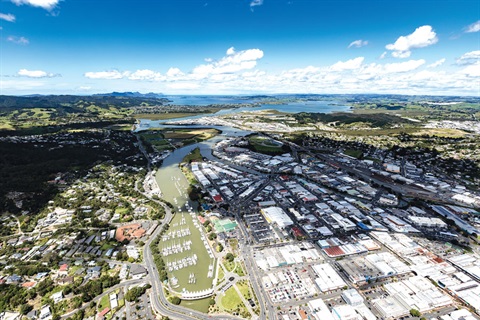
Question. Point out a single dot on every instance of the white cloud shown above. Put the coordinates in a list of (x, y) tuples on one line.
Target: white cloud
[(347, 65), (423, 36), (7, 17), (401, 54), (474, 27), (472, 71), (36, 74), (233, 62), (145, 74), (174, 72), (230, 51), (84, 88), (255, 3), (383, 55), (18, 40), (108, 75), (403, 66), (45, 4), (469, 57), (358, 43), (437, 63)]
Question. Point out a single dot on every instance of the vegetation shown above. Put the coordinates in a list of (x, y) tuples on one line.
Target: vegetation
[(266, 145), (415, 313), (175, 300), (136, 292), (193, 156)]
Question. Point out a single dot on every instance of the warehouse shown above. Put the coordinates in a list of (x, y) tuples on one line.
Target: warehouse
[(328, 279), (278, 216)]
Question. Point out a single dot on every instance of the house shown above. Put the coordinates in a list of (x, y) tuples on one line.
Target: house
[(137, 272), (29, 284), (45, 313), (63, 269), (102, 314), (65, 280), (32, 314), (57, 297), (8, 315), (13, 279), (94, 272)]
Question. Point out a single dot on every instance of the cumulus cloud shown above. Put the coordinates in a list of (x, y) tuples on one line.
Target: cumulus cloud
[(347, 65), (36, 74), (7, 17), (145, 74), (108, 75), (174, 72), (469, 57), (423, 36), (383, 55), (233, 62), (472, 70), (255, 3), (358, 43), (474, 27), (403, 66), (18, 40), (437, 63), (45, 4)]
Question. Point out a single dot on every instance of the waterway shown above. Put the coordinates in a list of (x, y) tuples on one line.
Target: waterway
[(174, 185)]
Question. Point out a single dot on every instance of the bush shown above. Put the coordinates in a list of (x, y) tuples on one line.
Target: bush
[(176, 300), (415, 313)]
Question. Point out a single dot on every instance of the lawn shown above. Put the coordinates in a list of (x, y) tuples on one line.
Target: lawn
[(221, 274), (229, 265), (239, 270), (244, 289), (231, 300), (104, 303)]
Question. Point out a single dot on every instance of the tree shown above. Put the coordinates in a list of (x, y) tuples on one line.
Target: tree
[(230, 257), (176, 300), (212, 236), (415, 313), (25, 308)]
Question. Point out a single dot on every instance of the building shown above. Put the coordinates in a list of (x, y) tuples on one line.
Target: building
[(278, 216), (319, 310), (328, 279), (345, 312), (352, 297)]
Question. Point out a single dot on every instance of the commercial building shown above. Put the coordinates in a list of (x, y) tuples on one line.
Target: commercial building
[(328, 279), (278, 216)]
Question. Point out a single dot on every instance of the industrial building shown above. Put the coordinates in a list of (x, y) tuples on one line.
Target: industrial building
[(328, 279)]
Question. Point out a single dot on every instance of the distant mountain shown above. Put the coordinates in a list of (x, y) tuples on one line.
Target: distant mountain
[(137, 94)]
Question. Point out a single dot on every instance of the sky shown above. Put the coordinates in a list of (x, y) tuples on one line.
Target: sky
[(426, 47)]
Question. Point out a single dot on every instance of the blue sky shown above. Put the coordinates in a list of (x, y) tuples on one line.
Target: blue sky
[(240, 46)]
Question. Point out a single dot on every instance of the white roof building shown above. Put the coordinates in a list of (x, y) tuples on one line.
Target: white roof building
[(319, 310), (328, 279), (278, 216)]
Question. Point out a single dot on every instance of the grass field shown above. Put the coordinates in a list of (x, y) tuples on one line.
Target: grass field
[(265, 145), (244, 289), (231, 300)]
